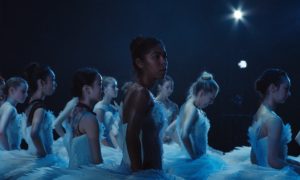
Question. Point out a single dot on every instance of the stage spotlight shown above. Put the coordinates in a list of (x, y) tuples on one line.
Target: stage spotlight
[(238, 14), (242, 64)]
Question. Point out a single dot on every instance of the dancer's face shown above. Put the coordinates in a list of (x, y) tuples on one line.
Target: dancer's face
[(167, 88), (204, 99), (282, 92), (111, 89), (96, 89), (49, 85), (19, 93), (154, 64)]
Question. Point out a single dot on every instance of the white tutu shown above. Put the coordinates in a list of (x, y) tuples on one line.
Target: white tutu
[(177, 162), (45, 132), (13, 129), (103, 173), (250, 171), (59, 148), (94, 172), (19, 163), (110, 122), (240, 155), (239, 164)]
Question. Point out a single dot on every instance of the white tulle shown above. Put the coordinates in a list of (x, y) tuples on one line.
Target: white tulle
[(238, 161), (13, 130), (21, 162), (45, 132), (260, 145), (168, 111), (177, 160), (111, 120)]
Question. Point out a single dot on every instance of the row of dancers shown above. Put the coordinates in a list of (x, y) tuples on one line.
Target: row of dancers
[(142, 137)]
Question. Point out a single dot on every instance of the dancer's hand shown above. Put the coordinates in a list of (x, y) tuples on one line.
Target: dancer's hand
[(41, 153), (294, 162)]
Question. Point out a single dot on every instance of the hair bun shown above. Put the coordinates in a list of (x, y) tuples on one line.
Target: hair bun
[(30, 70), (260, 86), (136, 42), (270, 76), (206, 76)]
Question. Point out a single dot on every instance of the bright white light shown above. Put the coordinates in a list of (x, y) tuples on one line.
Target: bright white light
[(242, 64), (238, 14)]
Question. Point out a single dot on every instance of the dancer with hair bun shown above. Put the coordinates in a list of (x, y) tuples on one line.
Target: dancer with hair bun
[(268, 135), (15, 89), (196, 160)]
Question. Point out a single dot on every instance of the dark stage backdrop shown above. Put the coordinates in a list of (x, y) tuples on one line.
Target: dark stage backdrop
[(198, 36)]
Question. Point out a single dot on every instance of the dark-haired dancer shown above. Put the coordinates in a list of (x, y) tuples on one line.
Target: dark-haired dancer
[(268, 136), (110, 154), (140, 112), (268, 128), (38, 132), (142, 116), (81, 130), (85, 145)]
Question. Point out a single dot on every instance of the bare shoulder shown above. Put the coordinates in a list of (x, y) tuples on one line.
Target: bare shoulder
[(274, 124), (89, 119), (138, 102), (98, 105), (89, 125), (39, 112), (137, 94), (10, 109), (273, 119), (72, 103), (190, 111)]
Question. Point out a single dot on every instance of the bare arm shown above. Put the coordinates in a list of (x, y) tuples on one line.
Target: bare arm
[(293, 162), (113, 133), (3, 125), (175, 113), (189, 118), (274, 134), (135, 111), (64, 115), (172, 127), (100, 114), (37, 121), (90, 126), (297, 138)]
